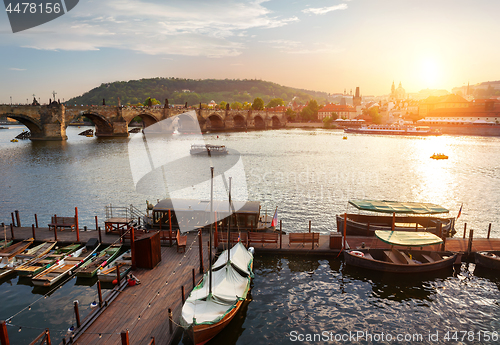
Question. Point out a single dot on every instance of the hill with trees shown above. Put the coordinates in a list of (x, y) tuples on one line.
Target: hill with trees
[(180, 91)]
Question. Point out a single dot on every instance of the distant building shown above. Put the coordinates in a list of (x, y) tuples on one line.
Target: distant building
[(398, 94), (356, 100), (343, 111), (212, 104), (454, 109)]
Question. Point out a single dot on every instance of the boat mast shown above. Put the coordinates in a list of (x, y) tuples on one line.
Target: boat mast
[(229, 223), (211, 225)]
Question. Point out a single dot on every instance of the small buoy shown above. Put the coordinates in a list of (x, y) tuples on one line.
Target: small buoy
[(93, 304), (71, 329), (131, 282), (115, 282)]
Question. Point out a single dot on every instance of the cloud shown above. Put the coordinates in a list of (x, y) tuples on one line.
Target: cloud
[(193, 28), (296, 47), (324, 10), (17, 69)]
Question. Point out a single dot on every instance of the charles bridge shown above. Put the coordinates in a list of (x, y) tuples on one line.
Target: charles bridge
[(49, 122)]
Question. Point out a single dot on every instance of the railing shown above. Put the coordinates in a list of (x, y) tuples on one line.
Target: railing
[(131, 212)]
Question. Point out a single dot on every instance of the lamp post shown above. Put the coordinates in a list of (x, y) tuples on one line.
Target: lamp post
[(10, 100)]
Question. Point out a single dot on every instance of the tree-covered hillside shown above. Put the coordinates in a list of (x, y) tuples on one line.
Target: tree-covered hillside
[(180, 91)]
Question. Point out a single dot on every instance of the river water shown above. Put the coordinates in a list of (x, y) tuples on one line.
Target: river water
[(308, 175)]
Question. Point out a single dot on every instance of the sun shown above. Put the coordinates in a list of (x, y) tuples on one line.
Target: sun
[(430, 72)]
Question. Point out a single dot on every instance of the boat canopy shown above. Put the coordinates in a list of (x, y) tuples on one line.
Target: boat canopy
[(408, 238), (386, 206)]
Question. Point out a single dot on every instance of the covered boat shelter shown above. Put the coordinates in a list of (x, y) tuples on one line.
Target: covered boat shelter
[(195, 214)]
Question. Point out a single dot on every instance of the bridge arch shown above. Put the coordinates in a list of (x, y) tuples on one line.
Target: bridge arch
[(102, 125), (239, 121), (276, 123), (147, 119), (216, 122), (259, 122), (186, 123), (33, 125)]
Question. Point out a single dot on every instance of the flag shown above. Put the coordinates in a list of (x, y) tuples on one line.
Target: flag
[(460, 211), (274, 222)]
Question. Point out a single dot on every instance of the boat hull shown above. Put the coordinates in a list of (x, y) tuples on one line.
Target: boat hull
[(488, 261), (201, 334), (376, 263), (391, 132), (365, 225)]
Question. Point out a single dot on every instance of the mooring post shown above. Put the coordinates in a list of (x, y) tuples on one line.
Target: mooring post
[(99, 293), (36, 221), (124, 336), (182, 292), (194, 278), (443, 236), (18, 218), (77, 314), (152, 342), (170, 326), (100, 237), (13, 220), (471, 235), (55, 232), (200, 245), (47, 337), (465, 228), (11, 231), (309, 226), (4, 336), (96, 224), (170, 228), (76, 224), (132, 248), (281, 234), (117, 274), (489, 231), (345, 228), (33, 231), (393, 225)]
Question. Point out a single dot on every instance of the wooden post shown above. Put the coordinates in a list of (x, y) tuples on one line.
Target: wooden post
[(200, 245), (393, 225), (124, 336), (76, 225), (368, 227), (345, 228), (465, 228), (33, 231), (96, 224), (170, 227), (117, 273), (47, 337), (489, 231), (281, 234), (194, 278), (443, 237), (471, 235), (170, 326), (309, 226), (100, 237), (11, 231), (99, 293), (36, 221), (55, 232), (216, 239), (182, 292), (13, 221), (4, 336), (18, 219), (152, 341), (443, 245), (77, 314), (132, 247)]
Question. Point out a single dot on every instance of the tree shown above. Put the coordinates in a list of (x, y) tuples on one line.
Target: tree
[(222, 105), (334, 116), (247, 105), (310, 112), (236, 105), (275, 102), (290, 114), (327, 122), (150, 102), (258, 104), (373, 113)]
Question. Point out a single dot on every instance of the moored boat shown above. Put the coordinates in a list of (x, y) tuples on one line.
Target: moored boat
[(89, 269), (210, 150), (414, 220), (399, 260), (394, 130), (64, 267), (15, 249), (5, 243), (108, 272), (215, 301), (489, 259), (41, 262)]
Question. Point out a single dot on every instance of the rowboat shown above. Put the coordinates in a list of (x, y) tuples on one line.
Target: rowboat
[(108, 272), (7, 265), (40, 263), (15, 249), (5, 243), (64, 267), (489, 259), (366, 225), (90, 268), (402, 261), (215, 301)]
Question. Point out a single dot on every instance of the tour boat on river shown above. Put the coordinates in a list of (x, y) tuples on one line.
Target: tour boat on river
[(216, 150), (393, 130)]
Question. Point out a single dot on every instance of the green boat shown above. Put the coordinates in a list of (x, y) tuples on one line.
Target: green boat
[(89, 269), (43, 262), (5, 243)]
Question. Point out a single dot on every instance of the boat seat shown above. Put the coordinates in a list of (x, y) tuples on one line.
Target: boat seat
[(391, 257), (410, 261), (428, 258), (368, 256)]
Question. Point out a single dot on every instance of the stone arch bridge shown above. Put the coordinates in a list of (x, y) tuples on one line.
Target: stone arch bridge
[(49, 122)]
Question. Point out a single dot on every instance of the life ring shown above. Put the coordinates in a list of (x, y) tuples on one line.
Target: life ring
[(355, 252)]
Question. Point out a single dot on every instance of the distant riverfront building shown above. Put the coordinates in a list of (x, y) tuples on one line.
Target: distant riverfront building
[(343, 111), (398, 94)]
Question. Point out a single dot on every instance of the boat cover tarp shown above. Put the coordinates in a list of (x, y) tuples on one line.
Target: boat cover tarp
[(408, 238), (228, 287), (386, 206)]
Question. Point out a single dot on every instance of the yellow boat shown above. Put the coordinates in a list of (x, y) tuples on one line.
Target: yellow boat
[(14, 140), (439, 156)]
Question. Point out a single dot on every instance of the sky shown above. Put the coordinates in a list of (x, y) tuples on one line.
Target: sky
[(321, 45)]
